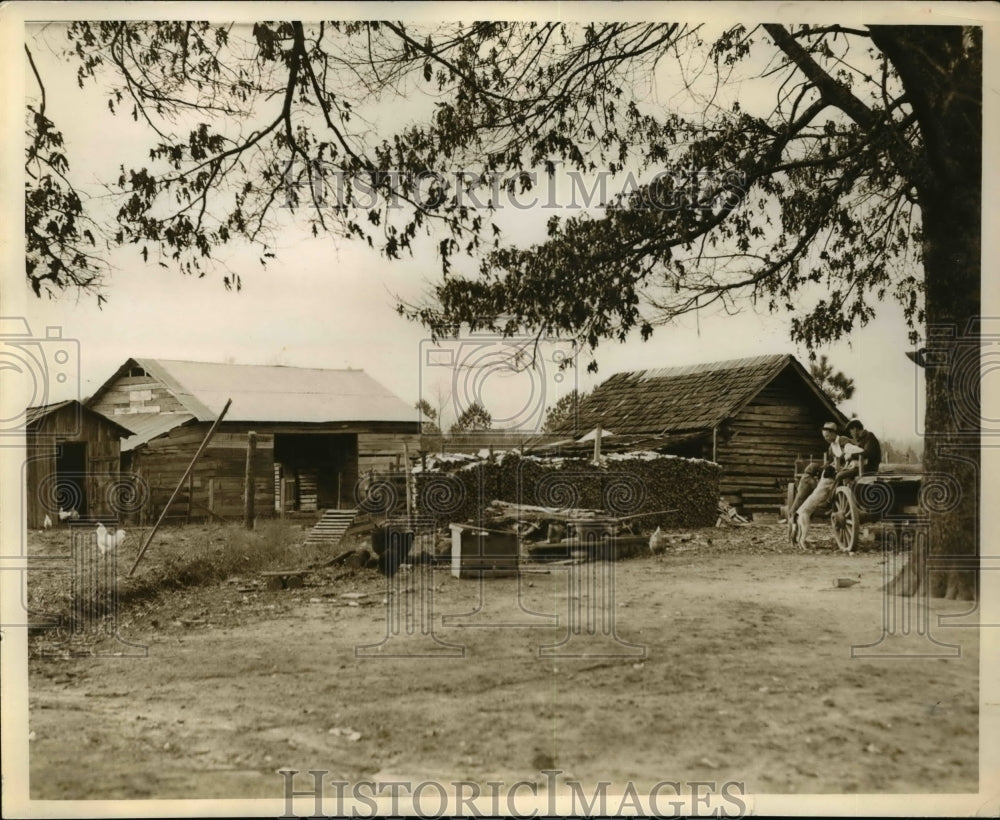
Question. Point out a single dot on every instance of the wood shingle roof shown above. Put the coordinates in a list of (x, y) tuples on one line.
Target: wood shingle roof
[(689, 398)]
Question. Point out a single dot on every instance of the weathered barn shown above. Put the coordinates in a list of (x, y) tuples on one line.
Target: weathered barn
[(71, 462), (318, 433), (753, 416)]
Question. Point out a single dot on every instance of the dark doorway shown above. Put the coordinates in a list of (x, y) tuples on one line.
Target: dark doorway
[(71, 477), (318, 470)]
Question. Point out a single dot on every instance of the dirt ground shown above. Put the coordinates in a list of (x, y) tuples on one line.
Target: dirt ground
[(732, 662)]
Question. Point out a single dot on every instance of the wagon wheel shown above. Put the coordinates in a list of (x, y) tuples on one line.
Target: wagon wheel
[(845, 519), (789, 500)]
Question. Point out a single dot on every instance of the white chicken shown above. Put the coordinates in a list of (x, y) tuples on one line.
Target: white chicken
[(47, 523), (106, 542), (68, 515), (657, 542)]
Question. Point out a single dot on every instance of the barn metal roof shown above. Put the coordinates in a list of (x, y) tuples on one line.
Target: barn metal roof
[(688, 398), (274, 393), (148, 426)]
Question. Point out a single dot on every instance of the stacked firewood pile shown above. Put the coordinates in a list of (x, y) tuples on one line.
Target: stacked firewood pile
[(621, 486)]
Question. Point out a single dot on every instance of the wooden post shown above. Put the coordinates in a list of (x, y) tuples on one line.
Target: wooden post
[(406, 475), (248, 482), (190, 467), (597, 443)]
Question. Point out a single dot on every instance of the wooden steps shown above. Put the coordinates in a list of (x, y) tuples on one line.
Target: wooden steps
[(331, 528)]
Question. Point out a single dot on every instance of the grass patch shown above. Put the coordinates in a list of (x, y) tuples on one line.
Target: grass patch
[(178, 557), (213, 553)]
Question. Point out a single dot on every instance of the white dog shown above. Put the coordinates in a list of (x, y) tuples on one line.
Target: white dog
[(817, 499)]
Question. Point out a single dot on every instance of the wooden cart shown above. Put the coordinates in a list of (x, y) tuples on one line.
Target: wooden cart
[(890, 495)]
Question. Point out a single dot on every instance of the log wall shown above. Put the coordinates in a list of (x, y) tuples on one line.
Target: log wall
[(758, 448)]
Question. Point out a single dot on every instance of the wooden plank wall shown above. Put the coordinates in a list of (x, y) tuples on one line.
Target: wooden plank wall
[(137, 394), (216, 483), (384, 451), (102, 465), (758, 458), (40, 465)]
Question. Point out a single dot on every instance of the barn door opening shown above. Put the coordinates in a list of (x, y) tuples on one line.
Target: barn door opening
[(71, 476), (315, 471)]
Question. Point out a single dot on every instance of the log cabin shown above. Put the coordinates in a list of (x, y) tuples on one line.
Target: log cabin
[(754, 417), (318, 434), (72, 464)]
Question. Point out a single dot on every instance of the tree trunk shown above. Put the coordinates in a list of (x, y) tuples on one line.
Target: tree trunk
[(942, 69), (951, 482)]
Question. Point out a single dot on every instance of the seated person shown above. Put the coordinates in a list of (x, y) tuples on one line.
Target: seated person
[(817, 499), (863, 456), (836, 443)]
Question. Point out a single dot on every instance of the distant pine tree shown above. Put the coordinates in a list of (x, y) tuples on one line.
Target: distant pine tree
[(834, 383)]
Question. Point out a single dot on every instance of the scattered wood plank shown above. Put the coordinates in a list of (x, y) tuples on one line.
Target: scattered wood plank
[(729, 517), (528, 512)]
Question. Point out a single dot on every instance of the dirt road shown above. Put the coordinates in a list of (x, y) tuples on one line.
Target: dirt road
[(739, 668)]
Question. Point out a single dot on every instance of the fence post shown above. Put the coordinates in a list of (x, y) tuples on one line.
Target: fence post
[(248, 481)]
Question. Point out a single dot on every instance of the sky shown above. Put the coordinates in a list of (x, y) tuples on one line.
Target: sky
[(329, 302)]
